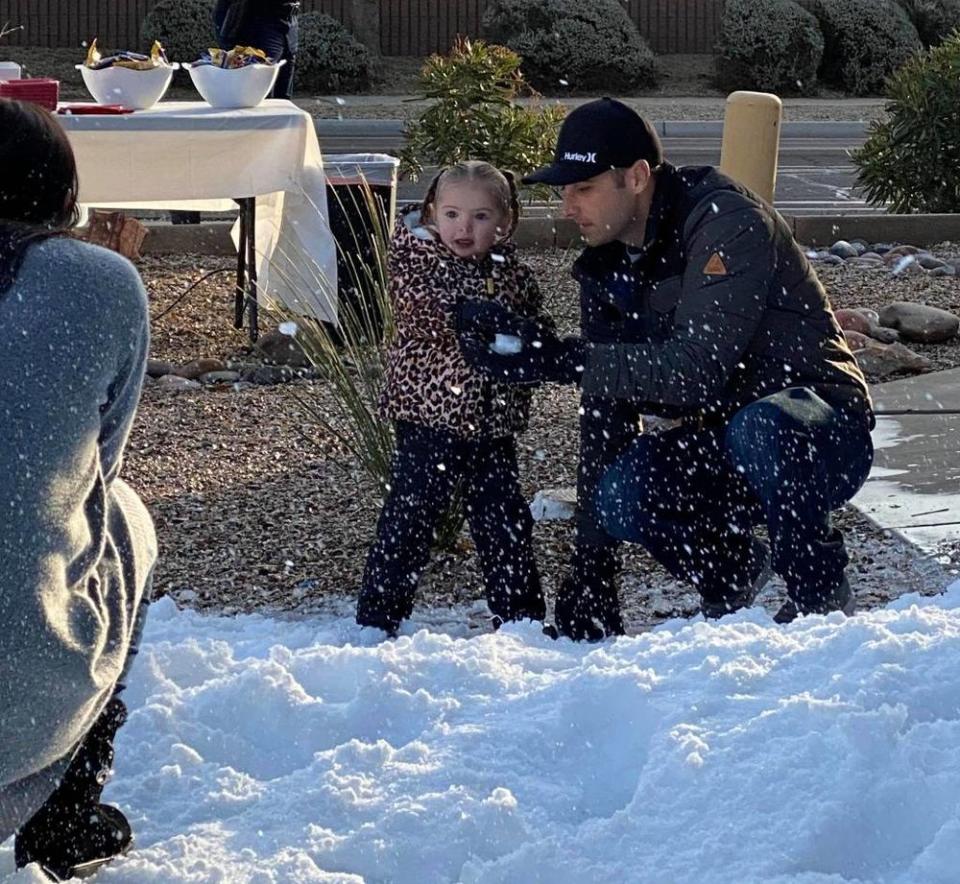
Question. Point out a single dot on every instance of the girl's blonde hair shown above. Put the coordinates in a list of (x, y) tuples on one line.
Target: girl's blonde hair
[(502, 185)]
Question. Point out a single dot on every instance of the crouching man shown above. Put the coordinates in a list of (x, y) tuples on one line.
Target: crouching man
[(696, 304)]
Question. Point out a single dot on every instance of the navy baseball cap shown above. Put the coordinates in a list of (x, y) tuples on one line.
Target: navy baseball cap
[(597, 136)]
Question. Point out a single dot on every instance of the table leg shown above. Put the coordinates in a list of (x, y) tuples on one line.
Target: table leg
[(245, 291), (252, 268), (240, 291)]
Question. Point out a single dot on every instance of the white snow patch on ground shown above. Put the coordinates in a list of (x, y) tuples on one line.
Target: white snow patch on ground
[(262, 750)]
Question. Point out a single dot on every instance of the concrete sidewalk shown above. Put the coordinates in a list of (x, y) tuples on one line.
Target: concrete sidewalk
[(914, 488)]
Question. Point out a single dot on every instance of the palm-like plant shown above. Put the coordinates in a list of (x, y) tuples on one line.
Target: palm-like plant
[(351, 357)]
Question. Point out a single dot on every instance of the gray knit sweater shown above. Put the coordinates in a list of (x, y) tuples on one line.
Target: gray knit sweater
[(76, 545)]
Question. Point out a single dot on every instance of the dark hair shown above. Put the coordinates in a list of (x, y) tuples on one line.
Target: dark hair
[(501, 184), (38, 182)]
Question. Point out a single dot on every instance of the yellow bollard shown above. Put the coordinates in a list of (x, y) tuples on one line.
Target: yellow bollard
[(751, 141)]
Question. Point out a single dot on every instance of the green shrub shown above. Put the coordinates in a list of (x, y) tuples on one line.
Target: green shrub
[(330, 58), (583, 45), (933, 19), (911, 159), (769, 45), (474, 114), (184, 27), (864, 42)]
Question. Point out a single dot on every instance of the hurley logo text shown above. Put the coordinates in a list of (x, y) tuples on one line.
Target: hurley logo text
[(581, 157)]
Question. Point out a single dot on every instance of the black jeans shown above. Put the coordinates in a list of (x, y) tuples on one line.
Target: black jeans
[(692, 497), (427, 465)]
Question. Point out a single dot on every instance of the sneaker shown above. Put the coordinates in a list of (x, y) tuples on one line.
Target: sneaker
[(714, 609), (842, 599)]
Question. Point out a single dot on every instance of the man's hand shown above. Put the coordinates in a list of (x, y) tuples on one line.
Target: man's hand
[(542, 355)]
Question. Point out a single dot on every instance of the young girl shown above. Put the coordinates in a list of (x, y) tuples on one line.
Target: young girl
[(451, 422)]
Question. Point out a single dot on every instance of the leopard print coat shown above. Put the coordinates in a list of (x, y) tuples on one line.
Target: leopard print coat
[(428, 381)]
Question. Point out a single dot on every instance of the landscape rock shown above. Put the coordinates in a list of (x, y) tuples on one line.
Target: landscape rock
[(157, 368), (269, 375), (196, 368), (896, 252), (219, 377), (929, 262), (875, 263), (842, 249), (280, 349), (856, 340), (920, 323), (882, 360), (852, 320), (554, 503), (177, 383), (884, 335)]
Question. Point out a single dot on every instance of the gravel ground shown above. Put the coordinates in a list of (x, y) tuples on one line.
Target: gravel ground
[(257, 508)]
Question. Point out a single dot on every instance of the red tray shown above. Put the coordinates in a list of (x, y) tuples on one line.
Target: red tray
[(38, 90), (85, 109)]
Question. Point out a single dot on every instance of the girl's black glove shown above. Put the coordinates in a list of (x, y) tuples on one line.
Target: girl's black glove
[(542, 356)]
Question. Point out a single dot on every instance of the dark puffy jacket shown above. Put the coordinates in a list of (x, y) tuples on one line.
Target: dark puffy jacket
[(720, 308)]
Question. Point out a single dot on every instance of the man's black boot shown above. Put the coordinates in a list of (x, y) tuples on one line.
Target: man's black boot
[(587, 611), (841, 599), (588, 606), (73, 834), (742, 597)]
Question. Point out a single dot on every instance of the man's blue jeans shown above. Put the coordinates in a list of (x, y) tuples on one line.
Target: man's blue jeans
[(692, 496)]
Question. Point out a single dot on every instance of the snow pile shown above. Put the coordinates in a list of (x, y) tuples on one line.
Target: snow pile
[(262, 750)]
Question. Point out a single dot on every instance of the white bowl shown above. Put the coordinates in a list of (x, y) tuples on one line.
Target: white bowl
[(136, 89), (235, 87)]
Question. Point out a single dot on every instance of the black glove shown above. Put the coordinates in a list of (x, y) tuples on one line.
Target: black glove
[(542, 357), (587, 605)]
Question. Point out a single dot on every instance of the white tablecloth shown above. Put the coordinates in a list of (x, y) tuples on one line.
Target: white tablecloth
[(188, 155)]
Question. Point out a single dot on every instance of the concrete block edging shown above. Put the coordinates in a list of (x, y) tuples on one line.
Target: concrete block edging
[(539, 230)]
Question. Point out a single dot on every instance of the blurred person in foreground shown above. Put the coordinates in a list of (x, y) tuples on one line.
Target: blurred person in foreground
[(77, 545)]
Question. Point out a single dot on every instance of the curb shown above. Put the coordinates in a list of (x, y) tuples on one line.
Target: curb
[(543, 231), (917, 230), (788, 129), (667, 129)]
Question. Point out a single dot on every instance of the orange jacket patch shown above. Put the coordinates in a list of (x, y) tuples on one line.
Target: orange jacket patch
[(715, 266)]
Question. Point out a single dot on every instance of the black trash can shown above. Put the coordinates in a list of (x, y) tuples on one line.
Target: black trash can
[(359, 185)]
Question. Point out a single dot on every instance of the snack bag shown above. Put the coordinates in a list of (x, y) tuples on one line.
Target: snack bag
[(238, 57), (132, 60)]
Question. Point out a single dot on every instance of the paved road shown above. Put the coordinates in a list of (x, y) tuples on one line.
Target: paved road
[(815, 173)]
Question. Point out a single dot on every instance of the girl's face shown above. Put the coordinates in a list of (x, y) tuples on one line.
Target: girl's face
[(468, 220)]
